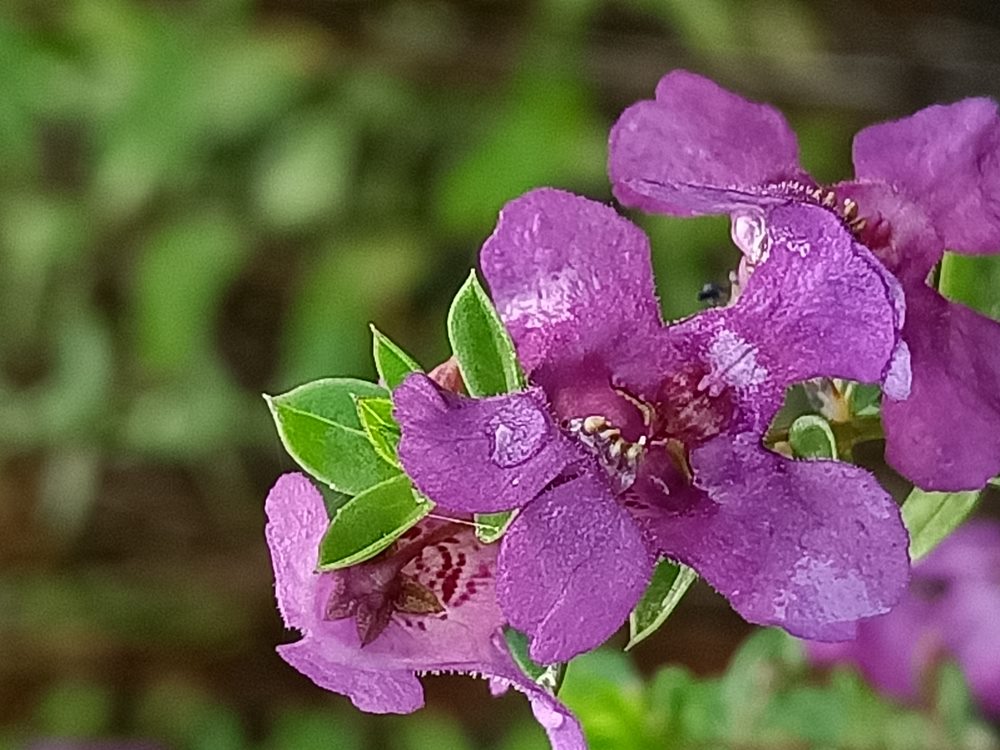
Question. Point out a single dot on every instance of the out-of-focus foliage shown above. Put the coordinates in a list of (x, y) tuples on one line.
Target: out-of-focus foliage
[(204, 200), (767, 698)]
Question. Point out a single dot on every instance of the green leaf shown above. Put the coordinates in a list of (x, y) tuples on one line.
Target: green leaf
[(669, 583), (549, 677), (515, 148), (864, 399), (78, 709), (811, 437), (931, 516), (489, 366), (952, 699), (305, 173), (392, 363), (370, 522), (971, 280), (180, 278), (327, 328), (490, 527), (481, 344), (604, 689), (319, 426), (379, 425)]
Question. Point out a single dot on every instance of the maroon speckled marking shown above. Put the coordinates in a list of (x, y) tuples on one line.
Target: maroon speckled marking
[(411, 533), (449, 584)]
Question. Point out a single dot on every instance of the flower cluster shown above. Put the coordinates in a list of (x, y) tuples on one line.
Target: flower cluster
[(924, 183), (639, 439), (619, 441)]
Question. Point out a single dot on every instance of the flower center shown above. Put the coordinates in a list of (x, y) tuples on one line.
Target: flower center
[(373, 591), (617, 456), (690, 407)]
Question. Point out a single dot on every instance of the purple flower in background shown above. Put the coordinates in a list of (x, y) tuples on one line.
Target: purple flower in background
[(638, 440), (429, 605), (952, 610), (924, 183)]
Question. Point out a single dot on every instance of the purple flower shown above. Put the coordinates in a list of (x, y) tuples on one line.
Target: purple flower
[(924, 183), (638, 440), (428, 605), (952, 610)]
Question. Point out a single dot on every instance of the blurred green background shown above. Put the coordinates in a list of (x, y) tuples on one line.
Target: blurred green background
[(204, 200)]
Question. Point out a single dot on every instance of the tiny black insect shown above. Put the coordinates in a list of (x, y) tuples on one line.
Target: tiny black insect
[(713, 294)]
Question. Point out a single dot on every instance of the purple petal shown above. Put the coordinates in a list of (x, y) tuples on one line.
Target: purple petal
[(890, 650), (571, 568), (971, 552), (810, 546), (818, 304), (561, 726), (570, 277), (374, 691), (946, 435), (296, 521), (952, 609), (897, 230), (701, 148), (970, 628), (459, 570), (947, 159), (478, 455), (821, 303)]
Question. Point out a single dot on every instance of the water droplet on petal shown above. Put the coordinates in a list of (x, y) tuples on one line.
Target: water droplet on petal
[(547, 717), (750, 235), (519, 432), (897, 379)]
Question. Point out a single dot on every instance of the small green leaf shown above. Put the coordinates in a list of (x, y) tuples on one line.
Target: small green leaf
[(392, 363), (481, 344), (379, 425), (319, 426), (971, 280), (669, 583), (548, 677), (932, 516), (952, 699), (370, 522), (490, 527), (811, 437), (864, 399)]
